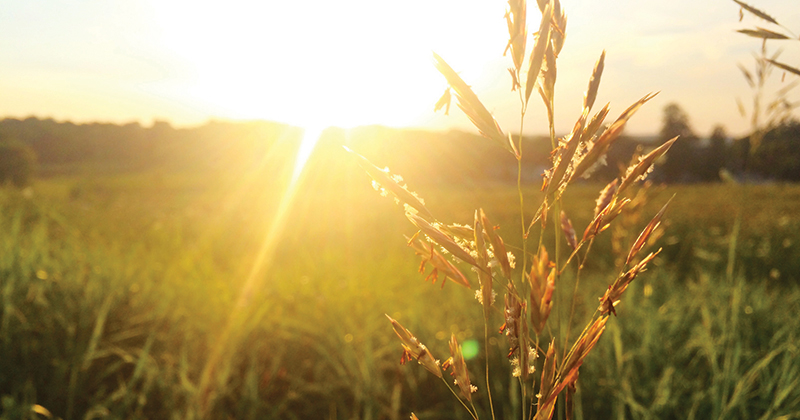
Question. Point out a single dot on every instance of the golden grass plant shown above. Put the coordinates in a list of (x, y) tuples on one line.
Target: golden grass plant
[(545, 359)]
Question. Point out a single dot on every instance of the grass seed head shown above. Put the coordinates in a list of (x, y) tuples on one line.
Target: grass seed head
[(639, 171), (545, 404), (473, 107), (612, 295), (412, 348), (542, 300), (459, 369), (600, 146), (604, 218), (482, 264), (441, 238), (517, 32), (608, 193), (648, 230), (440, 264), (539, 48), (568, 373), (569, 231), (756, 12), (562, 160), (594, 83), (498, 246), (392, 184)]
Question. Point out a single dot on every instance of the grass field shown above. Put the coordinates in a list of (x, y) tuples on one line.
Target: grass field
[(165, 295)]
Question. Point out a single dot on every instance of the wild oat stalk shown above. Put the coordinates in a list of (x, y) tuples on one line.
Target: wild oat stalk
[(529, 295)]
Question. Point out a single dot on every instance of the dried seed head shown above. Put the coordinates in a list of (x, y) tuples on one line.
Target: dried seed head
[(639, 171), (757, 12), (440, 264), (605, 196), (517, 32), (562, 160), (600, 146), (459, 369), (392, 185), (539, 49), (568, 373), (545, 405), (441, 238), (498, 246), (569, 231), (472, 106), (513, 313), (542, 301), (611, 297), (594, 83), (412, 348), (642, 239)]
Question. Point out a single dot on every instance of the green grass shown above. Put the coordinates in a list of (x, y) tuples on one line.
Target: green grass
[(115, 294)]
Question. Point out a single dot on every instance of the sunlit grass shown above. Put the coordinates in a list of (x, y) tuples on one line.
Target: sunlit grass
[(312, 337)]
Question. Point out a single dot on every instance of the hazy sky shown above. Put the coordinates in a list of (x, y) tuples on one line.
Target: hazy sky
[(352, 62)]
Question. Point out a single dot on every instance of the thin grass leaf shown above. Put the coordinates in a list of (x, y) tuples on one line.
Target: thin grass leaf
[(756, 12), (97, 332)]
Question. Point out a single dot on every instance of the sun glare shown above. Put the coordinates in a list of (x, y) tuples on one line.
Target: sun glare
[(347, 63), (310, 137)]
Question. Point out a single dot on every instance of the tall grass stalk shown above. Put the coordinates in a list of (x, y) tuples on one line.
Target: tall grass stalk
[(448, 246)]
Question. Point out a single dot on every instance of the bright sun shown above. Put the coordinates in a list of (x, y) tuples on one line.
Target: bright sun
[(315, 64)]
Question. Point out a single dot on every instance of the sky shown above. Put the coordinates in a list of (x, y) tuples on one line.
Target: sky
[(358, 62)]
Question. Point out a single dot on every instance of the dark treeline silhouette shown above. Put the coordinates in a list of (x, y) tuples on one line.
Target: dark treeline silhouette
[(691, 159), (423, 157), (67, 147)]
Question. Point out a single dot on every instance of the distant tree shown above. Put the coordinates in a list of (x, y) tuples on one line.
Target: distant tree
[(778, 156), (16, 163), (714, 155), (681, 164)]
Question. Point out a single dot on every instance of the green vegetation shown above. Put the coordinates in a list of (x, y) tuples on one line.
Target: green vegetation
[(113, 299)]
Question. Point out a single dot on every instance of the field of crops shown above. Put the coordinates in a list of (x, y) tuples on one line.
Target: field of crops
[(164, 295)]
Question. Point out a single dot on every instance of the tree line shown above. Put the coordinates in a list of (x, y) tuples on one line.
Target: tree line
[(47, 147), (692, 159)]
